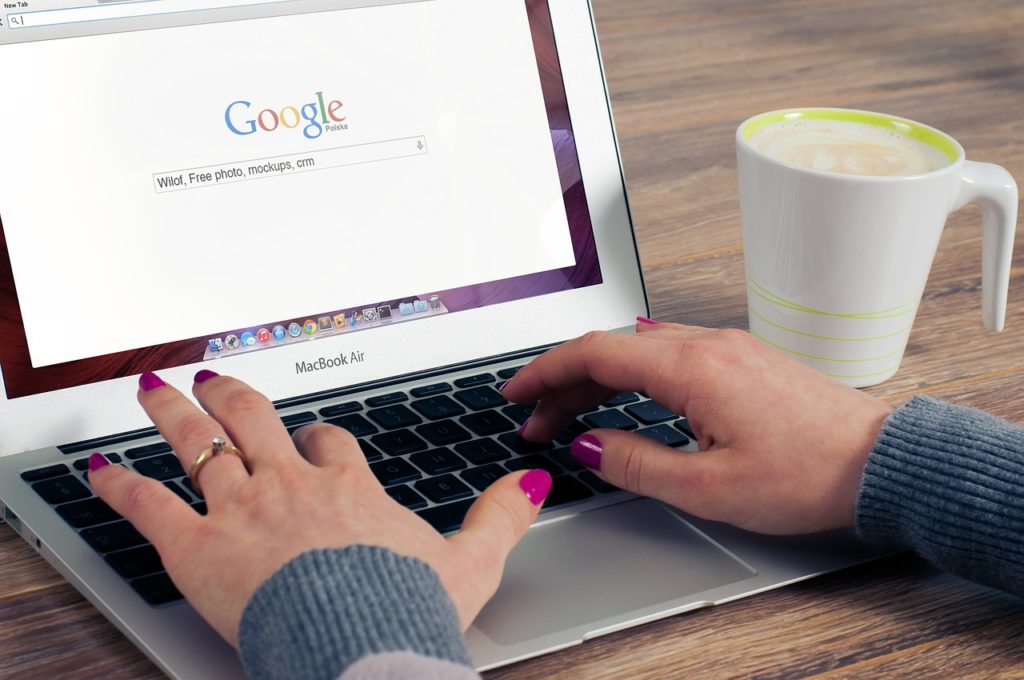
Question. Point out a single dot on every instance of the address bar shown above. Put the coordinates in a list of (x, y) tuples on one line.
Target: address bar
[(123, 10)]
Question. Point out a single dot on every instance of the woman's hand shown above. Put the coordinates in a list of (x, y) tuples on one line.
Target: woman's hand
[(782, 447), (293, 494)]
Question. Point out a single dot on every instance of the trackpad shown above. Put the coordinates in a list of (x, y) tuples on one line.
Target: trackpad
[(602, 564)]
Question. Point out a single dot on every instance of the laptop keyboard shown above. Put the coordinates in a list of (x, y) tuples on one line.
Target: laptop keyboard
[(434, 448)]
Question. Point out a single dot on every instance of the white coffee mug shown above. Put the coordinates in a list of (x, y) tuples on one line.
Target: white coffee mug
[(836, 263)]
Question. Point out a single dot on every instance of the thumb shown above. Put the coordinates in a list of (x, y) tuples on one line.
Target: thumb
[(499, 518), (493, 526), (638, 464)]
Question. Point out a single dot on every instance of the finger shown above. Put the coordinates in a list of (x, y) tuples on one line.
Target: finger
[(247, 416), (156, 511), (686, 480), (561, 407), (608, 359), (652, 328), (555, 412), (612, 361), (189, 431), (327, 445)]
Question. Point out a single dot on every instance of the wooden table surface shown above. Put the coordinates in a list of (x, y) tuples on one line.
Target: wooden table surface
[(683, 74)]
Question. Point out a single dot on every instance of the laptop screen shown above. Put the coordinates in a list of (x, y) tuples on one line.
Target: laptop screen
[(179, 187)]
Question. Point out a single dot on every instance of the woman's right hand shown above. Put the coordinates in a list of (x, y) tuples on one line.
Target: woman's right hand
[(782, 447)]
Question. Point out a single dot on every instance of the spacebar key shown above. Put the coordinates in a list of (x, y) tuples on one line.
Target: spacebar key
[(448, 517)]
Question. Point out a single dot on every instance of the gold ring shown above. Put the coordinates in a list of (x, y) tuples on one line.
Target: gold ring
[(218, 446)]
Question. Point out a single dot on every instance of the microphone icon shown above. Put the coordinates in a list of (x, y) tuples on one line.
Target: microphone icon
[(419, 145)]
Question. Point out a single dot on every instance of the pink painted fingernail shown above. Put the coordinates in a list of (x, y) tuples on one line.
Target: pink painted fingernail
[(536, 484), (98, 460), (649, 322), (522, 428), (204, 375), (501, 387), (150, 381), (587, 449)]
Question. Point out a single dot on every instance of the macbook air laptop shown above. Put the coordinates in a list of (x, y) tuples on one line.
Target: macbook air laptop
[(372, 211)]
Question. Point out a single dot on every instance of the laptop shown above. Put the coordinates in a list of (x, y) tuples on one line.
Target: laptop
[(374, 211)]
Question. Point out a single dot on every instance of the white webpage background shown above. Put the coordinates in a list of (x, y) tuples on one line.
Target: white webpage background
[(103, 263)]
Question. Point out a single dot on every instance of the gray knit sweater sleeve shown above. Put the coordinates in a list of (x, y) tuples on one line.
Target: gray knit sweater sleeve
[(948, 482), (328, 610)]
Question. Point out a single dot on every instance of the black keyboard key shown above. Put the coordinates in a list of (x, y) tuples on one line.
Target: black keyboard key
[(199, 507), (622, 398), (354, 423), (370, 451), (406, 496), (507, 373), (437, 461), (665, 434), (596, 483), (480, 451), (566, 489), (486, 423), (87, 513), (448, 517), (565, 459), (135, 562), (61, 489), (534, 462), (474, 380), (650, 412), (394, 417), (479, 398), (162, 467), (147, 450), (518, 412), (179, 491), (335, 410), (110, 537), (399, 442), (436, 408), (157, 589), (443, 432), (294, 420), (517, 444), (394, 471), (385, 399), (45, 472), (429, 390), (683, 425), (575, 429), (482, 477), (82, 464), (443, 489), (612, 419), (187, 483)]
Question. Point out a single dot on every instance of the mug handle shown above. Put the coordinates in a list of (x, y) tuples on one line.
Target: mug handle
[(993, 189)]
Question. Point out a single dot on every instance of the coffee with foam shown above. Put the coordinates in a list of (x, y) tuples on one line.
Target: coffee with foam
[(847, 147)]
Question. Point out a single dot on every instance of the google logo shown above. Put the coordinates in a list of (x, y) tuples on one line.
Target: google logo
[(315, 114)]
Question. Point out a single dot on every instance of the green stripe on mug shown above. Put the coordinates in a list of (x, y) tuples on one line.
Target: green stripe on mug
[(805, 355), (901, 331), (760, 291)]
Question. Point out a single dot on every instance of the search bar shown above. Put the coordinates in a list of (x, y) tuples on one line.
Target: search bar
[(123, 10), (275, 166)]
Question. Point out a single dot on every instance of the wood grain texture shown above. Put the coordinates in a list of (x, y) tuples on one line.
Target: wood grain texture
[(682, 75)]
